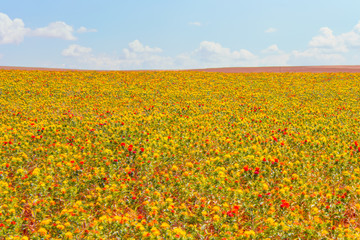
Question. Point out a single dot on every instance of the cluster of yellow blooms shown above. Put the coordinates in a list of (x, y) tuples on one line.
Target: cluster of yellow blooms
[(179, 155)]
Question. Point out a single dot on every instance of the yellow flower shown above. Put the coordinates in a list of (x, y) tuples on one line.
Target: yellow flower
[(36, 171), (61, 227), (179, 231), (46, 221), (216, 208), (69, 235), (165, 225), (249, 233), (42, 231), (155, 231), (189, 164), (216, 218), (315, 210)]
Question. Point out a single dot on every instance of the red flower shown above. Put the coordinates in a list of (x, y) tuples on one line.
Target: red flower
[(246, 168), (230, 214), (284, 204)]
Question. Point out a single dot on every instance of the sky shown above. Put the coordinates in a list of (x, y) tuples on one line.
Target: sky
[(186, 34)]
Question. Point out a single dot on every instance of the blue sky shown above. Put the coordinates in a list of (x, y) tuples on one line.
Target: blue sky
[(159, 34)]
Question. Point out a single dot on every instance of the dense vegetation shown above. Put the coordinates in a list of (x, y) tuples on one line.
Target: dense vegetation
[(179, 155)]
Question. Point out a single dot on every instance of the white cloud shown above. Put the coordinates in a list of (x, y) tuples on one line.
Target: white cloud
[(279, 59), (214, 52), (208, 54), (75, 50), (342, 43), (357, 27), (86, 30), (14, 31), (271, 49), (137, 47), (328, 42), (315, 56), (352, 38), (211, 54), (327, 48), (135, 56), (197, 24), (55, 30), (273, 56), (270, 30), (139, 56), (11, 31)]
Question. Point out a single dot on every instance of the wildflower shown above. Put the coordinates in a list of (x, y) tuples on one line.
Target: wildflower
[(165, 225), (46, 221), (249, 233), (42, 231), (60, 227), (216, 218), (69, 235), (155, 231), (36, 171), (216, 208), (284, 204)]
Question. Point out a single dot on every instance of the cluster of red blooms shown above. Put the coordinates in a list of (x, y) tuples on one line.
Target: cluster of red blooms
[(356, 147), (130, 148), (231, 213), (246, 168), (284, 204)]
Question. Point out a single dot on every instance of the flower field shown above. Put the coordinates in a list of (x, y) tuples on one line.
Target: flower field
[(179, 155)]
